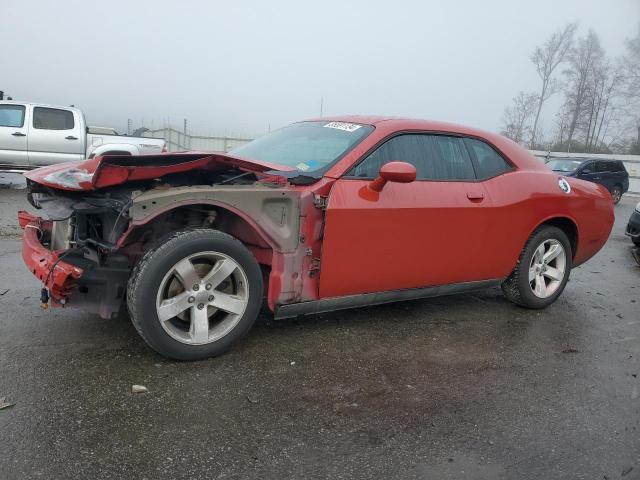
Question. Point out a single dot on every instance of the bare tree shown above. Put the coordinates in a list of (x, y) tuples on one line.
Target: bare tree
[(516, 118), (584, 60), (561, 124), (547, 58), (631, 63), (631, 90), (604, 93)]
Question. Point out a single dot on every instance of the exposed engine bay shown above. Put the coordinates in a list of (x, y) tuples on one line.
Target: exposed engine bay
[(104, 231), (98, 219)]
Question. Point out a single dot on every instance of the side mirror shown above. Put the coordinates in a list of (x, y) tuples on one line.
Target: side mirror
[(399, 172)]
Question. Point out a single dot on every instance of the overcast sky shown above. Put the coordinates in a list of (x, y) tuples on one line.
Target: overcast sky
[(244, 66)]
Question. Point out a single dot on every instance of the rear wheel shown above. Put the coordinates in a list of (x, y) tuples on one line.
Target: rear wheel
[(542, 270), (195, 294), (616, 194)]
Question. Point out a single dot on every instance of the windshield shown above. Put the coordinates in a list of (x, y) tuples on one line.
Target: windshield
[(564, 165), (305, 146)]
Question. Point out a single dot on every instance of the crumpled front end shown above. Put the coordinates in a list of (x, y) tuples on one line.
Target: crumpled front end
[(71, 275), (95, 224), (113, 170), (58, 276)]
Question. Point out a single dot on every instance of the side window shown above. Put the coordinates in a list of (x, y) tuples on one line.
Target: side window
[(588, 167), (11, 116), (52, 119), (488, 162), (451, 160), (436, 157), (603, 166), (406, 148)]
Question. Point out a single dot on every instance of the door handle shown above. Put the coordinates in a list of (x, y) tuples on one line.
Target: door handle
[(475, 196), (71, 137), (18, 134)]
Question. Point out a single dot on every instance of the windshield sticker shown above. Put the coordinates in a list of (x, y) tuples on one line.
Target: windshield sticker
[(302, 166), (347, 127)]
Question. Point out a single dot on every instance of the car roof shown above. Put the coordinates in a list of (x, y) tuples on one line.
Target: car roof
[(36, 104), (402, 123), (587, 159), (389, 125), (572, 159)]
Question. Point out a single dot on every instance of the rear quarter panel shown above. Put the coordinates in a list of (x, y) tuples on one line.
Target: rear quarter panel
[(524, 200)]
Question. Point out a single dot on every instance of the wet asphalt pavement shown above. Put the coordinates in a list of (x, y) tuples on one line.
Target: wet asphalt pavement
[(461, 387)]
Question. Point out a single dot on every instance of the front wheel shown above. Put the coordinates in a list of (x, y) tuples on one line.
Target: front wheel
[(195, 294), (542, 270)]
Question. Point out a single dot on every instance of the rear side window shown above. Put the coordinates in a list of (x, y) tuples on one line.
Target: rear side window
[(612, 166), (451, 160), (488, 162), (607, 166), (11, 116), (618, 166), (436, 157), (52, 119)]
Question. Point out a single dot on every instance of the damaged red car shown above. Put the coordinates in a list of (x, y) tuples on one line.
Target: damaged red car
[(317, 216)]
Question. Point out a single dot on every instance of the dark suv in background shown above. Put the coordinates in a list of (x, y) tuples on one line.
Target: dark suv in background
[(609, 173)]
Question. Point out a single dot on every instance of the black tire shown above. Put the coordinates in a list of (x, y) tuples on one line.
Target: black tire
[(146, 278), (517, 287), (616, 194), (636, 241)]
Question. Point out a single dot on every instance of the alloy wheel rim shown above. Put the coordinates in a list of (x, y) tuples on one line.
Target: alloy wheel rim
[(202, 298), (547, 268)]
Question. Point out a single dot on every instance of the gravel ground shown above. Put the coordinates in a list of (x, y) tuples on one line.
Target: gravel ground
[(461, 387)]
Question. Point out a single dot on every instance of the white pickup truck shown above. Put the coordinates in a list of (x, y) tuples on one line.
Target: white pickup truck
[(32, 135)]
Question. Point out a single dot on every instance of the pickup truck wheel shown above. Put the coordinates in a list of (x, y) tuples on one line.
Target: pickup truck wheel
[(542, 270), (195, 294)]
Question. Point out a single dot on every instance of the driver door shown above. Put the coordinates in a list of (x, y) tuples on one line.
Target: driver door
[(428, 232)]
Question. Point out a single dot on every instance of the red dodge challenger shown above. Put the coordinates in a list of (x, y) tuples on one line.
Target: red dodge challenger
[(317, 216)]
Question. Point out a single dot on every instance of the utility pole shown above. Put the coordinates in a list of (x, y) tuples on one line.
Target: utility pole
[(184, 133), (321, 105)]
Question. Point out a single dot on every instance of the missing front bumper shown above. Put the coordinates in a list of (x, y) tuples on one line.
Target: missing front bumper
[(58, 276), (72, 279)]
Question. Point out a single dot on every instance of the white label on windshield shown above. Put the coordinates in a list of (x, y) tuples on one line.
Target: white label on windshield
[(347, 127)]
